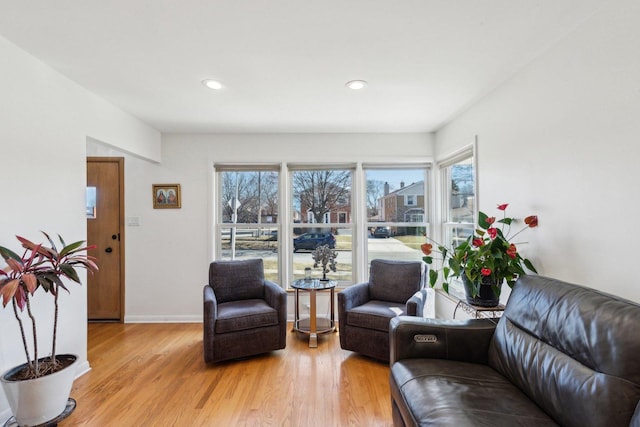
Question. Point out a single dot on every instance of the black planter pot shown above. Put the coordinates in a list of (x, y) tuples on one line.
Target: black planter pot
[(486, 297)]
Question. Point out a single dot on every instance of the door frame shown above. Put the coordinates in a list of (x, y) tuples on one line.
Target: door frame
[(121, 223)]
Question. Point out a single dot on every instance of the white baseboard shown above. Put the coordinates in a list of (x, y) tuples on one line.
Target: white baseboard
[(83, 368), (162, 319)]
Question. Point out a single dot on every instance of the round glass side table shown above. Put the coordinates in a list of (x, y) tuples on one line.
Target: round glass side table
[(312, 325)]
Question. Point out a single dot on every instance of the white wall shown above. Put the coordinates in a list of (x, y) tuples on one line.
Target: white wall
[(45, 121), (561, 140), (167, 257)]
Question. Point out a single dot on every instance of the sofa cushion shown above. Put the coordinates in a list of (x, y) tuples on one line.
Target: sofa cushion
[(244, 314), (374, 314), (449, 393), (395, 281), (571, 349), (234, 280)]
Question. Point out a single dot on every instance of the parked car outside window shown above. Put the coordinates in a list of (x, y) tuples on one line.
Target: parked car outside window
[(382, 232), (310, 241)]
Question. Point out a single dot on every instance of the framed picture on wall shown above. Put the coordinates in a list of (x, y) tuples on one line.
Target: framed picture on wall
[(166, 196)]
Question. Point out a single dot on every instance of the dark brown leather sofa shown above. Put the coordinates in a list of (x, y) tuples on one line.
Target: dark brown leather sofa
[(244, 314), (561, 354)]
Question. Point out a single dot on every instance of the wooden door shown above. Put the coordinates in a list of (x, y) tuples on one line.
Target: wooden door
[(105, 229)]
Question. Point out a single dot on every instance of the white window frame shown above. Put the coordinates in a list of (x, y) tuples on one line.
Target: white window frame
[(428, 202), (356, 216), (416, 217), (446, 226), (326, 226), (219, 225)]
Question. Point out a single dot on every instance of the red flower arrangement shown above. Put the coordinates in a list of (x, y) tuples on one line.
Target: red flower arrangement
[(488, 254)]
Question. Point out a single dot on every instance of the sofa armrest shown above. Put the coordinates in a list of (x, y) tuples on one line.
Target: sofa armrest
[(415, 304), (460, 340)]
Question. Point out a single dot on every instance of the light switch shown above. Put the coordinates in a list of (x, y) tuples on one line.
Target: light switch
[(133, 221)]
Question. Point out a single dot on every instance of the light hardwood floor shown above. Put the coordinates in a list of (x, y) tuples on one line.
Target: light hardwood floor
[(154, 375)]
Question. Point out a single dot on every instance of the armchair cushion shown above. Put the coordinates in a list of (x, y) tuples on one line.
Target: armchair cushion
[(236, 280), (374, 314), (244, 314), (395, 281)]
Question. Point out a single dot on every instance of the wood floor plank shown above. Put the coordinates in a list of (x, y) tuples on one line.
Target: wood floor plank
[(154, 375)]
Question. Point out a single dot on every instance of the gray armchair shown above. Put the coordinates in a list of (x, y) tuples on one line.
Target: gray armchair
[(364, 310), (244, 314)]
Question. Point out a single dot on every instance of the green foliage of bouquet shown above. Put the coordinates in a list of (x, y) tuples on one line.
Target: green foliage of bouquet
[(488, 255)]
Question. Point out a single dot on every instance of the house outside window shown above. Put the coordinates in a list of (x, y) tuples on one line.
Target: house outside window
[(397, 210)]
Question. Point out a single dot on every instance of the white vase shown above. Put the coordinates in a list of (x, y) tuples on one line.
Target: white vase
[(34, 402)]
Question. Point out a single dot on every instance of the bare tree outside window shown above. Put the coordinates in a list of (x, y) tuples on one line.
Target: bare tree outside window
[(257, 192), (321, 192), (375, 191), (249, 220)]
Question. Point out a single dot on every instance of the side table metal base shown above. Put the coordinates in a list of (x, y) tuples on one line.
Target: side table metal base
[(313, 325), (71, 406), (480, 312)]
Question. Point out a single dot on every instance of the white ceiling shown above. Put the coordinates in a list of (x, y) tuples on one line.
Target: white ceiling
[(284, 63)]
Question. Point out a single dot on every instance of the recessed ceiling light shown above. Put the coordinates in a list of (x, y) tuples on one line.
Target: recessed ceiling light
[(356, 84), (212, 84)]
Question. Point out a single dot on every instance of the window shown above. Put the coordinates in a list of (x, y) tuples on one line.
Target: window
[(458, 179), (249, 220), (459, 201), (396, 211), (388, 221), (318, 194)]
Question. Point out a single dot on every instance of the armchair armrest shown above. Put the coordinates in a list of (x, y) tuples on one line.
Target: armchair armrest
[(461, 340), (354, 295), (350, 297), (415, 304), (210, 303), (210, 315), (276, 297)]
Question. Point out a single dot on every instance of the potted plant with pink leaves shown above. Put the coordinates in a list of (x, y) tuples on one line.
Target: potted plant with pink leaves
[(44, 381)]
